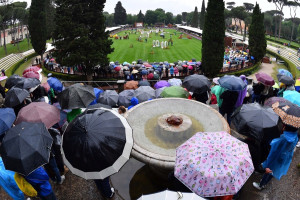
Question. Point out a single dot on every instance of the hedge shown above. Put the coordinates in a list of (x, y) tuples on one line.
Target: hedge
[(291, 66), (13, 68), (247, 71), (280, 42)]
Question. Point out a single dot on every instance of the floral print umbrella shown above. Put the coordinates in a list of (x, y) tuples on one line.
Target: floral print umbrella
[(213, 164)]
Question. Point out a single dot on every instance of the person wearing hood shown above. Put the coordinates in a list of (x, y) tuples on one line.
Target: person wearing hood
[(134, 101), (280, 156), (172, 71), (242, 94)]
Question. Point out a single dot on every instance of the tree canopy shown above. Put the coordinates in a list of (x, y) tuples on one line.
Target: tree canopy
[(202, 15), (120, 15), (195, 18)]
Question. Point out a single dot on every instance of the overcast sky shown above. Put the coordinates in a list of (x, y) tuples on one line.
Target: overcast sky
[(178, 6)]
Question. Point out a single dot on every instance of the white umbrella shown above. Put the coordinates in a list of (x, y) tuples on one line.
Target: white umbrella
[(175, 82), (170, 195)]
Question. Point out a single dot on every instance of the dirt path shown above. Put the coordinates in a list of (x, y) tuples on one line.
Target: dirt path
[(265, 68)]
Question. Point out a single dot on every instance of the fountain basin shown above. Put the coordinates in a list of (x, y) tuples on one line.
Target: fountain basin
[(153, 153)]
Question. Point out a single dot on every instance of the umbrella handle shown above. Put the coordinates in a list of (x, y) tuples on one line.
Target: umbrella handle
[(180, 195)]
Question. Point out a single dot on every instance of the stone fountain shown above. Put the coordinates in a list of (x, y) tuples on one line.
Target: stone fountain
[(161, 125)]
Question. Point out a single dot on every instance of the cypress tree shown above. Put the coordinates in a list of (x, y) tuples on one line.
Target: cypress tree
[(194, 22), (257, 40), (79, 34), (120, 15), (202, 15), (213, 38), (140, 17), (38, 26)]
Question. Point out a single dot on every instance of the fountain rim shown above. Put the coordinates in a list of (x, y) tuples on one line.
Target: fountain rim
[(155, 159)]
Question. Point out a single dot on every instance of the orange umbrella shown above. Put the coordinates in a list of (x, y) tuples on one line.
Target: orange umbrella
[(131, 85)]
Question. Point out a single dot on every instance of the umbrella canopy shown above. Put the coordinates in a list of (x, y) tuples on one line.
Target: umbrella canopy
[(144, 83), (179, 67), (55, 84), (232, 83), (26, 147), (39, 112), (213, 164), (118, 68), (62, 114), (170, 195), (32, 74), (190, 67), (256, 122), (109, 97), (97, 94), (285, 72), (292, 96), (13, 80), (196, 82), (144, 72), (285, 79), (15, 96), (144, 93), (2, 78), (272, 100), (288, 112), (161, 84), (46, 86), (125, 98), (32, 68), (175, 82), (76, 96), (297, 85), (97, 143), (265, 78), (7, 118), (174, 91), (158, 92), (99, 105), (28, 83), (156, 76), (131, 85), (150, 76)]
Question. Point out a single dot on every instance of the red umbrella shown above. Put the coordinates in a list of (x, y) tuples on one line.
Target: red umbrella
[(265, 78), (148, 66), (32, 68), (184, 65), (150, 76), (190, 67), (39, 112), (118, 68), (46, 86), (32, 74)]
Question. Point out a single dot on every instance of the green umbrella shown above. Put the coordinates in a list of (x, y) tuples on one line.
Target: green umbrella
[(71, 115), (174, 91)]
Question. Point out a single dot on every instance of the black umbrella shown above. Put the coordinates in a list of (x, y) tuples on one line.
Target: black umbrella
[(28, 83), (285, 79), (13, 80), (260, 123), (26, 147), (144, 83), (97, 143), (76, 96), (15, 96), (125, 98), (108, 97), (99, 105), (196, 82)]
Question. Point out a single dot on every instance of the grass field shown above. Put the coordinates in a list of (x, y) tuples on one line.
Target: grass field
[(182, 49), (285, 41), (14, 49)]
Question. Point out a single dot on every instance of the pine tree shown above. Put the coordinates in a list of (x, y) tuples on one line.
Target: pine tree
[(202, 15), (79, 34), (257, 40), (213, 38), (194, 22), (38, 26), (140, 17), (120, 15)]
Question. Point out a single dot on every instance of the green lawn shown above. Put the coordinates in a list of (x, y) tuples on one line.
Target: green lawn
[(14, 49), (182, 49), (284, 40)]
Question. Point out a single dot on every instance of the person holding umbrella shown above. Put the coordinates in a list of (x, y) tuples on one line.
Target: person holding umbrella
[(282, 149)]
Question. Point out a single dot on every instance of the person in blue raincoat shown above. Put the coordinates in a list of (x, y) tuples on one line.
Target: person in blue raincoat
[(39, 180), (134, 101), (8, 183), (280, 156)]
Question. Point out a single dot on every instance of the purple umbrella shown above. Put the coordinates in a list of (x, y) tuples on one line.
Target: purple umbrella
[(161, 84), (273, 100), (265, 78)]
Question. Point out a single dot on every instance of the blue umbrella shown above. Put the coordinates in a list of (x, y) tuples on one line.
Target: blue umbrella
[(285, 72), (144, 72), (232, 83), (55, 84), (7, 118), (292, 96), (97, 94)]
